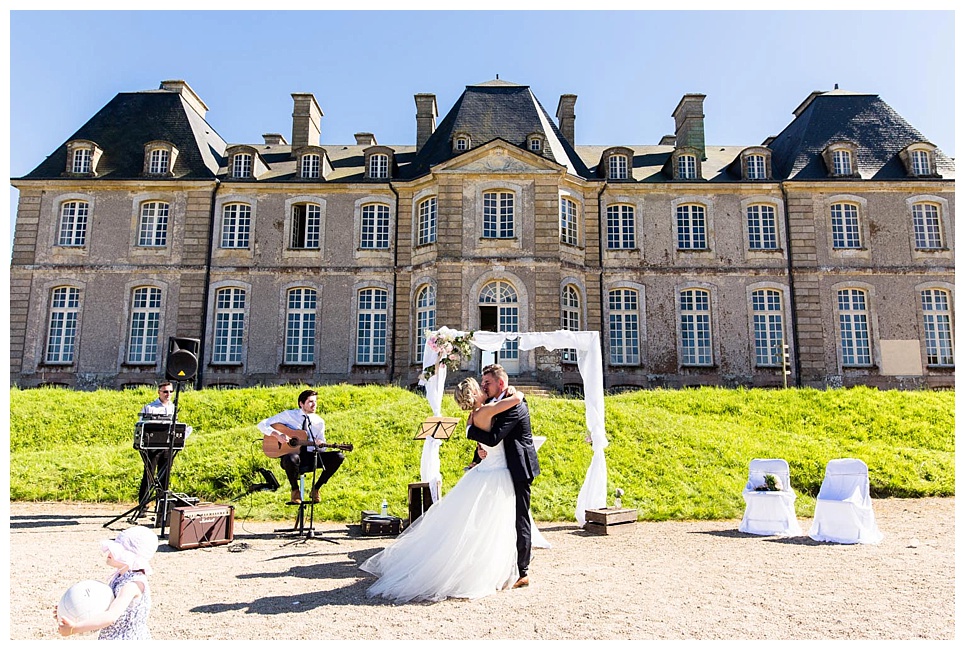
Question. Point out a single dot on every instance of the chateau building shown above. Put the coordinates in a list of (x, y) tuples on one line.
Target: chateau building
[(826, 251)]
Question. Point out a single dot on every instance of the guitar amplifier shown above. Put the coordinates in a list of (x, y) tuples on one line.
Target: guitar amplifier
[(206, 525)]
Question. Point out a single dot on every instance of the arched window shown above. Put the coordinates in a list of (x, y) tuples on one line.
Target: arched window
[(624, 326), (373, 312), (695, 328), (425, 317), (378, 165), (62, 325), (159, 162), (569, 318), (311, 166), (617, 167), (768, 316), (82, 162), (300, 325), (503, 296), (229, 325), (686, 167), (152, 229), (145, 325), (241, 165)]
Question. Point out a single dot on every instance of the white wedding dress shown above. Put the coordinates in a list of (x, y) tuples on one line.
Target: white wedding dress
[(464, 546)]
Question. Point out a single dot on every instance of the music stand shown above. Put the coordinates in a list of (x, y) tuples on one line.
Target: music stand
[(438, 427)]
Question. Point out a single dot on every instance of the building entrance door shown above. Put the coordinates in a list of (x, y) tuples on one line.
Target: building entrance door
[(499, 312)]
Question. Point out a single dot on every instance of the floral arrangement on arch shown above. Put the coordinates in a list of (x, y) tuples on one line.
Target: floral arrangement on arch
[(450, 346)]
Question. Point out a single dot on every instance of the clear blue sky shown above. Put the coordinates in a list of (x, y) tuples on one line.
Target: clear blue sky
[(628, 68)]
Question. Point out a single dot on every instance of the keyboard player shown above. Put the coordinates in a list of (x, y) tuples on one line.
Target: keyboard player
[(160, 409)]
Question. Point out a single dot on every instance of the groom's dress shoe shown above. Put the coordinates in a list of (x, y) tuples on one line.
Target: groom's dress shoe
[(522, 582)]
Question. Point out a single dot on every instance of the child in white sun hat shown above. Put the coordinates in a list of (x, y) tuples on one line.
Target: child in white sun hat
[(130, 554)]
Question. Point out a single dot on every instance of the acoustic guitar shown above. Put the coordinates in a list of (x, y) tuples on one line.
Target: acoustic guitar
[(288, 440)]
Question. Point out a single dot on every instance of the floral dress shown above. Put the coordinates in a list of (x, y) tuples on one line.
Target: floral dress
[(132, 624)]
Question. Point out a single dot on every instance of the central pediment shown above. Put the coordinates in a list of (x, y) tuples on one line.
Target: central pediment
[(498, 157)]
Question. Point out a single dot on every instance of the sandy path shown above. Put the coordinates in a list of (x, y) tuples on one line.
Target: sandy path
[(668, 580)]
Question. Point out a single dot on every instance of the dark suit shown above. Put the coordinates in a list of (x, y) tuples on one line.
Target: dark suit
[(513, 428)]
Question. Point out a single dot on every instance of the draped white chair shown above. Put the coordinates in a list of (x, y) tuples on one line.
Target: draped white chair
[(843, 512), (769, 512)]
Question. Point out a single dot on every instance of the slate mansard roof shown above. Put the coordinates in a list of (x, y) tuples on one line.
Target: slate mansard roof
[(495, 110)]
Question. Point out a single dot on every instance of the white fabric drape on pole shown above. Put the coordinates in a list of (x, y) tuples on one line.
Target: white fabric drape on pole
[(590, 362)]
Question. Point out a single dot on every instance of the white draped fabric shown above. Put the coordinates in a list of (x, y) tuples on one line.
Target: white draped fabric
[(590, 362)]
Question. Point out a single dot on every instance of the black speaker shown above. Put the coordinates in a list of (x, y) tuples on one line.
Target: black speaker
[(182, 362)]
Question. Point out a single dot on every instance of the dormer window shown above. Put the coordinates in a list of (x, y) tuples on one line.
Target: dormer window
[(159, 157), (241, 165), (685, 164), (82, 158), (756, 164), (534, 142), (461, 142), (378, 162), (839, 157), (617, 167), (311, 164), (919, 159), (615, 164)]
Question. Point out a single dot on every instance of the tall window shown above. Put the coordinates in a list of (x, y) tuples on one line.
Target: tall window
[(845, 229), (503, 295), (160, 159), (498, 215), (372, 318), (691, 227), (375, 226), (241, 165), (145, 324), (236, 225), (568, 229), (306, 225), (761, 227), (427, 221), (300, 326), (82, 161), (927, 224), (73, 223), (855, 331), (62, 330), (153, 227), (624, 327), (686, 166), (756, 167), (425, 317), (378, 165), (695, 330), (920, 162), (617, 167), (569, 318), (620, 227), (937, 313), (229, 325), (311, 165), (842, 162), (768, 327)]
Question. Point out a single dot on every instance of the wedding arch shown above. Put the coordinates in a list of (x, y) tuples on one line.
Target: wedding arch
[(589, 360)]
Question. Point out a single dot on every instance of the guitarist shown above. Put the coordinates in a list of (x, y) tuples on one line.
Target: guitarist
[(302, 459)]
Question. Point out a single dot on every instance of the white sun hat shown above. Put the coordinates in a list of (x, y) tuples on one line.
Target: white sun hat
[(134, 547)]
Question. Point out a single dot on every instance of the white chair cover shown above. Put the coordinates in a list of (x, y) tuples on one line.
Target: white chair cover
[(842, 512), (769, 513)]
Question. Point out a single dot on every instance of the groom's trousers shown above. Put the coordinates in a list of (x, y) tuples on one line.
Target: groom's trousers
[(524, 531)]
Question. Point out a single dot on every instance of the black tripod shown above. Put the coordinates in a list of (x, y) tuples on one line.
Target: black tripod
[(299, 527), (159, 491)]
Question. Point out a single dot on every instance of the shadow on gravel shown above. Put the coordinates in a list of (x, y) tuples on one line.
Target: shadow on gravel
[(49, 521)]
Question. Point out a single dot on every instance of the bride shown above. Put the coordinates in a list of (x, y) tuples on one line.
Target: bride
[(464, 546)]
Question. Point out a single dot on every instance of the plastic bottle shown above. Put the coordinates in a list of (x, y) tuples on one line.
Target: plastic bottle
[(385, 508)]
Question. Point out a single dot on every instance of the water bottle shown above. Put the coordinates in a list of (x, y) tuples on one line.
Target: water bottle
[(385, 508)]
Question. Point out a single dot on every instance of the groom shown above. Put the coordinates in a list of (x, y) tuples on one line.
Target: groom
[(514, 428)]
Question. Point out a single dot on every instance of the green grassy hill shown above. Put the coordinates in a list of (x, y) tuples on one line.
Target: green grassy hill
[(676, 454)]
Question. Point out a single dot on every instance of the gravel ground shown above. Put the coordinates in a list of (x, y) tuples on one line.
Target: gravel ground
[(666, 580)]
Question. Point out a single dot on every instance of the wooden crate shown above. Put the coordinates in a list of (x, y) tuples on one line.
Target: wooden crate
[(420, 498), (610, 521)]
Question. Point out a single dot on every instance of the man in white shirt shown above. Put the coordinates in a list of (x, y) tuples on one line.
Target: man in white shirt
[(157, 459), (302, 461)]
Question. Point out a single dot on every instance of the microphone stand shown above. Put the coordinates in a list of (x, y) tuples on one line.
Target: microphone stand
[(162, 504)]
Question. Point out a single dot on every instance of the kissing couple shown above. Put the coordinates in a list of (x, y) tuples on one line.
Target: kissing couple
[(478, 538)]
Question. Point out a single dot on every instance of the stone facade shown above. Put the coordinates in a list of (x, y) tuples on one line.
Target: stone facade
[(286, 275)]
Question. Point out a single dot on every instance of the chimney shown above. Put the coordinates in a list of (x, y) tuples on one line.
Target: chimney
[(365, 139), (668, 140), (567, 117), (274, 138), (187, 94), (689, 123), (306, 120), (425, 117)]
